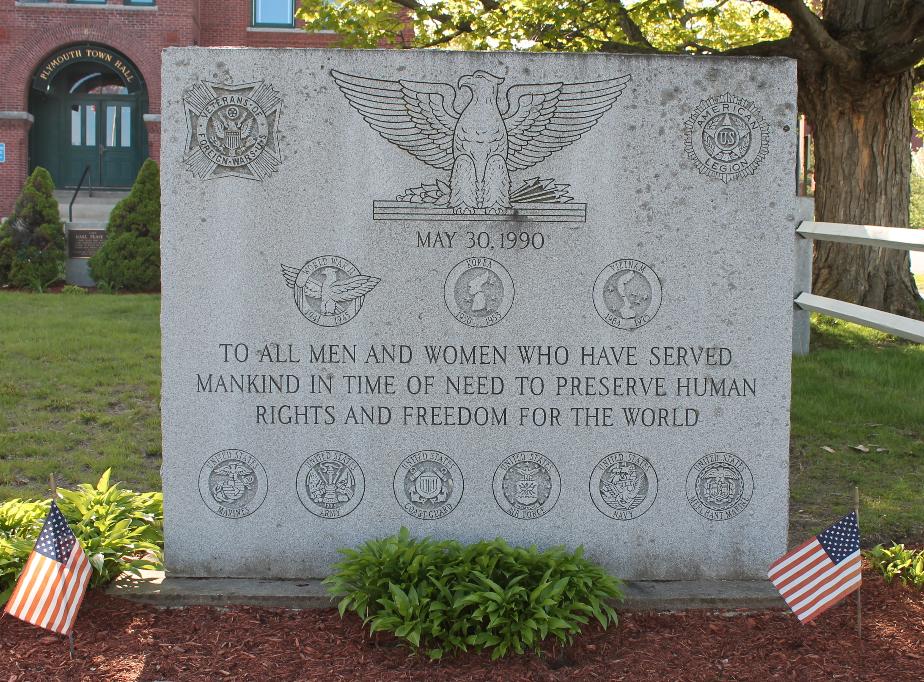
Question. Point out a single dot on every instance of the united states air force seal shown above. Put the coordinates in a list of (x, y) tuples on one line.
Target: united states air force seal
[(479, 292), (627, 294), (527, 485), (232, 483), (232, 130), (719, 486), (428, 485), (726, 137), (328, 290), (623, 485), (330, 484)]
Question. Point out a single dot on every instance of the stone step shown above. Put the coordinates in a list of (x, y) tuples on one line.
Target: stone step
[(87, 208)]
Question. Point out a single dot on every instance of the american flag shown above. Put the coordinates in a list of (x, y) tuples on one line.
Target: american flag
[(819, 573), (52, 584)]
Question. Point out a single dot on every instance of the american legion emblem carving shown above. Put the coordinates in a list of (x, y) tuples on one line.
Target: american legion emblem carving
[(232, 130), (726, 137), (480, 138)]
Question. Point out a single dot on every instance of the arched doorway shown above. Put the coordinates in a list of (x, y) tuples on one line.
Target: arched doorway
[(88, 101)]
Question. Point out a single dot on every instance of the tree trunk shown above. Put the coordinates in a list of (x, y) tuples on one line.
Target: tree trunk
[(862, 174)]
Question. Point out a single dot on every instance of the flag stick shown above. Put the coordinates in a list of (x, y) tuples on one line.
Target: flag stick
[(53, 484), (856, 508), (70, 638)]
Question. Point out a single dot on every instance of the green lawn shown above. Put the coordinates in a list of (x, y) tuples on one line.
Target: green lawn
[(80, 387)]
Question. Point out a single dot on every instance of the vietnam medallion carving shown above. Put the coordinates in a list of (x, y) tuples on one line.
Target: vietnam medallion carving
[(478, 137), (232, 483), (428, 485), (329, 290), (719, 486), (232, 130), (479, 292), (726, 137), (623, 485), (330, 484), (627, 294), (527, 485)]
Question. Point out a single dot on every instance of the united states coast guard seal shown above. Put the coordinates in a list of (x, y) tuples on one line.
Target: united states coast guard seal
[(719, 486), (232, 130), (428, 485), (330, 484), (623, 486), (527, 485), (232, 483), (479, 292), (329, 290), (726, 137), (627, 294)]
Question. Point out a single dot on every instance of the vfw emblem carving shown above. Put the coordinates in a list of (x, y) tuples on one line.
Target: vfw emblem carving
[(481, 136), (232, 130)]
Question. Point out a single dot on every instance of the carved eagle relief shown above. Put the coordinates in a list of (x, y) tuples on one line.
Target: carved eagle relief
[(476, 134)]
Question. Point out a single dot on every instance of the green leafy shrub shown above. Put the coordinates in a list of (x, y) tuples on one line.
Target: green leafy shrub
[(120, 530), (898, 562), (443, 597), (130, 257), (32, 238), (73, 289)]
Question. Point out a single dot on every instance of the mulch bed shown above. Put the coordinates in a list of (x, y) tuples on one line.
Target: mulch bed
[(121, 640)]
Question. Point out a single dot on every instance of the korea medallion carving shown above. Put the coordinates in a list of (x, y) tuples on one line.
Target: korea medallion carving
[(330, 484), (719, 486), (726, 137), (232, 130), (329, 290), (232, 483), (479, 137), (527, 485), (428, 485), (479, 292), (623, 485), (627, 294)]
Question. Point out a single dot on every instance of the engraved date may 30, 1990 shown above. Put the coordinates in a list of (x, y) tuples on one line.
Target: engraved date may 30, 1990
[(449, 239)]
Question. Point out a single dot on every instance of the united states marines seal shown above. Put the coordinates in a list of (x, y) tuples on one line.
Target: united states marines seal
[(527, 485), (329, 290), (428, 485), (479, 292), (726, 137), (627, 294), (623, 485), (719, 486), (330, 484), (232, 130), (232, 483)]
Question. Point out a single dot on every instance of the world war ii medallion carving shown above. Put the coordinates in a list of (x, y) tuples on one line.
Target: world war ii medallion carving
[(527, 485), (627, 294), (480, 137), (726, 137), (329, 290), (428, 485), (232, 483), (623, 485), (232, 130), (330, 484), (719, 486), (479, 292)]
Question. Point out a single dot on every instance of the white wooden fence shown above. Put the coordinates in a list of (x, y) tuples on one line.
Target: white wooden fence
[(805, 301)]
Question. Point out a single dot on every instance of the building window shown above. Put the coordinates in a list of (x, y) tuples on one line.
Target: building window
[(280, 13), (139, 2), (87, 2)]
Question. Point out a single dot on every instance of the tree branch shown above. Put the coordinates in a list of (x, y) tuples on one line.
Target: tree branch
[(901, 58), (629, 27), (784, 47), (807, 24), (919, 75)]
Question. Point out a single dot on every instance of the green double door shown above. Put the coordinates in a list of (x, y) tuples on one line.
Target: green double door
[(101, 134)]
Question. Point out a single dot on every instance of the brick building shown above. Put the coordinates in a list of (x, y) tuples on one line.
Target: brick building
[(80, 80)]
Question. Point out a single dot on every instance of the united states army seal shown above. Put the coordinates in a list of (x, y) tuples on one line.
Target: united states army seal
[(232, 483), (428, 485), (623, 485), (719, 486), (328, 290), (330, 484), (627, 294), (233, 130), (726, 137), (527, 485), (479, 292)]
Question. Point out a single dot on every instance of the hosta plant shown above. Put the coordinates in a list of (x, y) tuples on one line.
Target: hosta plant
[(898, 562)]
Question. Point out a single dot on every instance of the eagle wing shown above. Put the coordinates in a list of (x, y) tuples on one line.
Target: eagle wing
[(418, 117), (294, 279), (352, 287), (544, 118)]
